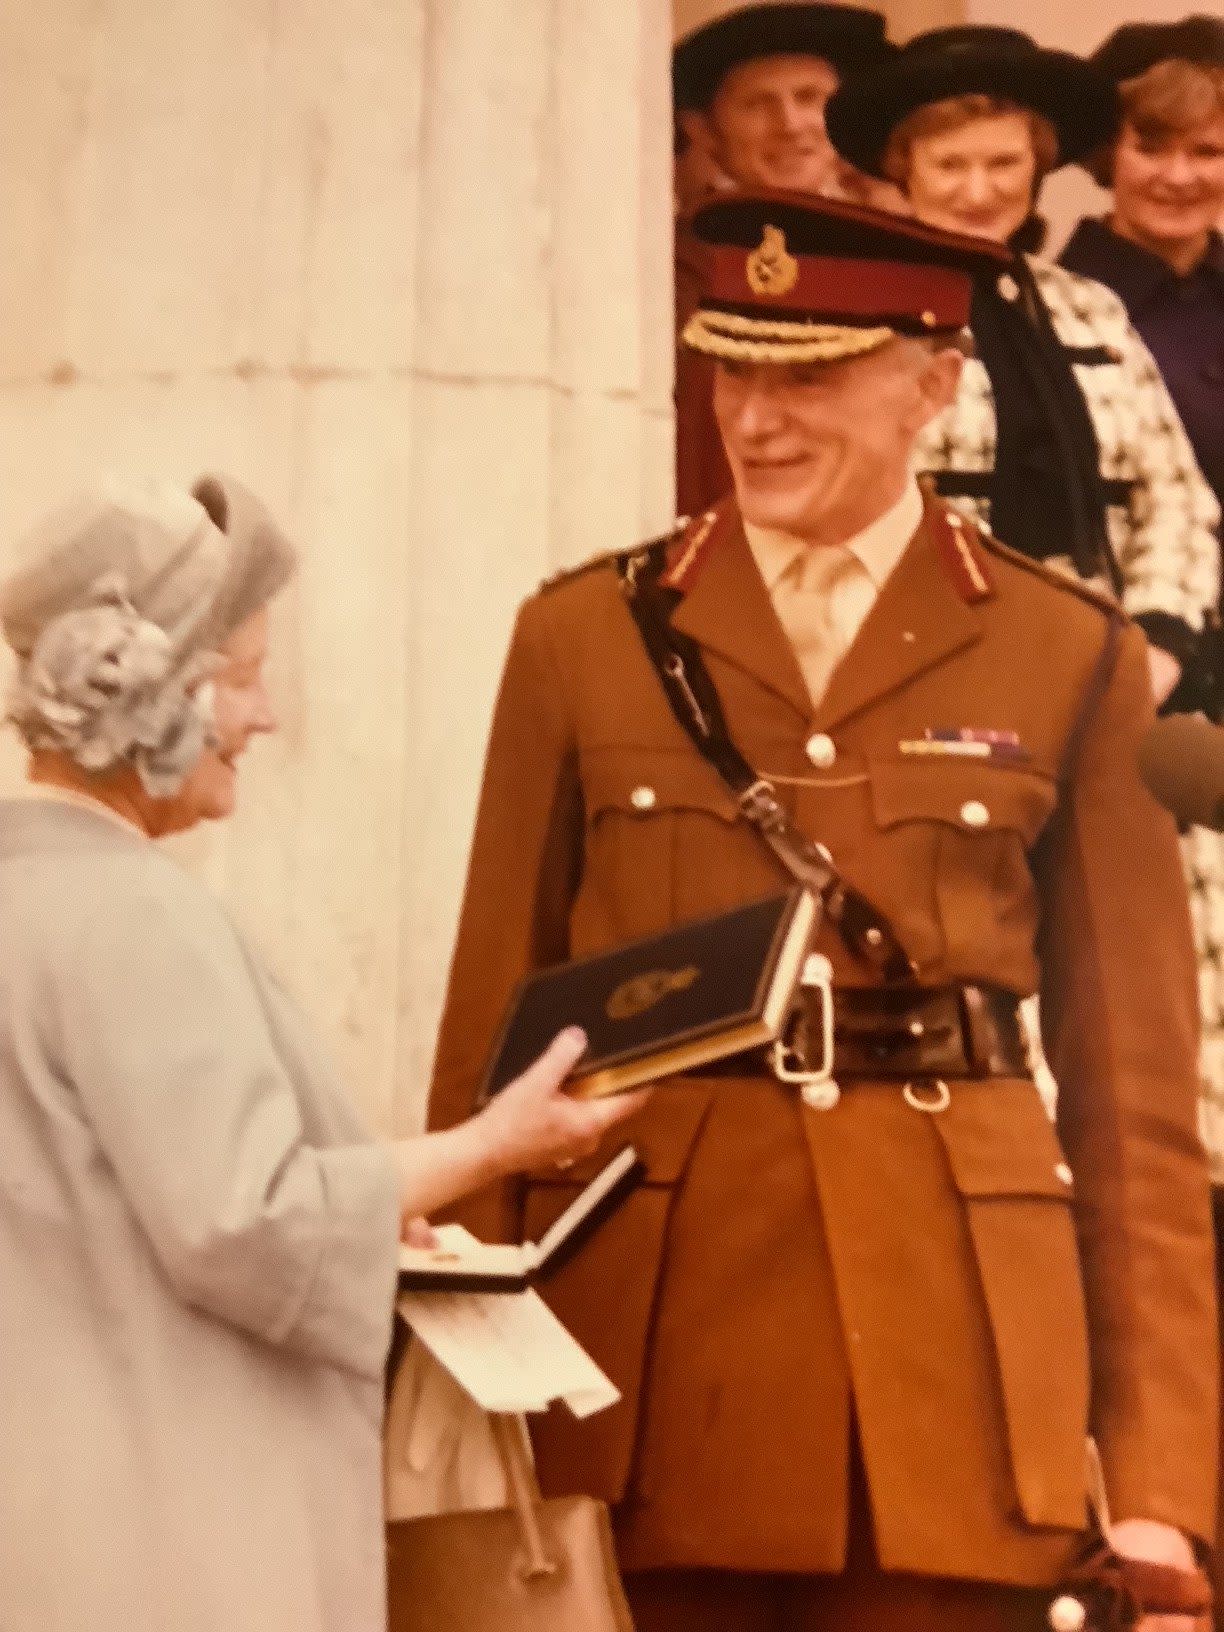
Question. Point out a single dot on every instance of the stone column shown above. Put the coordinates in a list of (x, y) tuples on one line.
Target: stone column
[(404, 266)]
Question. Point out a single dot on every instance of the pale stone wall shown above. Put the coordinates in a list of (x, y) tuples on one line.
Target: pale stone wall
[(404, 266)]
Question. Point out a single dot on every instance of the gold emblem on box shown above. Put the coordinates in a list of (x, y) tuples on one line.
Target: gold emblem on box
[(771, 269), (737, 971), (636, 996)]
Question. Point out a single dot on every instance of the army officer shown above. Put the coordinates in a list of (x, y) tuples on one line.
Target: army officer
[(862, 1329)]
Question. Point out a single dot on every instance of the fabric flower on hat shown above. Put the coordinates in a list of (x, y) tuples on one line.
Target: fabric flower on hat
[(101, 685), (116, 614)]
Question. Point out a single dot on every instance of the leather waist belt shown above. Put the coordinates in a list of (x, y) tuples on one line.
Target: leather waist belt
[(908, 1031)]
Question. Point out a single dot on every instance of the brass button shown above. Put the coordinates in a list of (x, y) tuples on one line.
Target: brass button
[(643, 798), (974, 813), (1064, 1174), (1008, 287), (820, 1096), (820, 750), (1067, 1614)]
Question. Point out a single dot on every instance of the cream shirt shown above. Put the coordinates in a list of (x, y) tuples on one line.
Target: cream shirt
[(823, 593)]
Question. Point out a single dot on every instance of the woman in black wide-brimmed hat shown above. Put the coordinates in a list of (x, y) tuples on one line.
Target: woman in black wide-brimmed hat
[(1063, 436)]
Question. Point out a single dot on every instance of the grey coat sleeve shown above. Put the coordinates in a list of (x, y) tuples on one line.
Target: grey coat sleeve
[(164, 1039)]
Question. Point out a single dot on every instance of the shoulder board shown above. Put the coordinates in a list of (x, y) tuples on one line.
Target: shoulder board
[(568, 574), (686, 550), (958, 544), (613, 557), (1095, 594)]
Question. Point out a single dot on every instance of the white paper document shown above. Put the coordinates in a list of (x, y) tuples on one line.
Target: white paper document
[(457, 1259), (507, 1350)]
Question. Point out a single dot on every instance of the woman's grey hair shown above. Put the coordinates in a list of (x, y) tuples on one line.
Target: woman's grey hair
[(116, 614)]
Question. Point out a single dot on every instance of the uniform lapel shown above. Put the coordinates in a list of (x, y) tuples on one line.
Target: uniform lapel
[(728, 610), (920, 618)]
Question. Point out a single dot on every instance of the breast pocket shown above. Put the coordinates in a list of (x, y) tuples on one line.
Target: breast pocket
[(664, 842), (954, 840)]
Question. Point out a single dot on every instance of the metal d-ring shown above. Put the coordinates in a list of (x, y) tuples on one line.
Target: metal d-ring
[(942, 1097)]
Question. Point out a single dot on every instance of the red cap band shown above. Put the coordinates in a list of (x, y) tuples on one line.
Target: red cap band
[(846, 290)]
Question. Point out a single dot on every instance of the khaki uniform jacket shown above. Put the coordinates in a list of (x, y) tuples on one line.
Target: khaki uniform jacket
[(979, 1288)]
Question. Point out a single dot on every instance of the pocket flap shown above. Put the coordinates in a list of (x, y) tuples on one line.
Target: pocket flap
[(642, 781), (1000, 1142), (973, 795), (663, 1134)]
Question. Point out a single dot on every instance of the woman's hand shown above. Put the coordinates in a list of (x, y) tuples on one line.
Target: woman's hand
[(533, 1120)]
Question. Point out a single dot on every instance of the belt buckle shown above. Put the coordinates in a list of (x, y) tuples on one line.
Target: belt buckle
[(759, 803), (790, 1063)]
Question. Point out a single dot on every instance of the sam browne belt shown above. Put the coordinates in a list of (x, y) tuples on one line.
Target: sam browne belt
[(895, 1030), (695, 702), (900, 1033), (943, 1031)]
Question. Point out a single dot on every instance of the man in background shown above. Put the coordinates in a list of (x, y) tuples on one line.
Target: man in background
[(750, 91)]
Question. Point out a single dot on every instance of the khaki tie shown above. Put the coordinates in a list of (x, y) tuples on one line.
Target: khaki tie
[(821, 601)]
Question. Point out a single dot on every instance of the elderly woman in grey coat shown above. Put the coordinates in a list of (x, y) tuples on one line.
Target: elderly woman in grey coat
[(198, 1239)]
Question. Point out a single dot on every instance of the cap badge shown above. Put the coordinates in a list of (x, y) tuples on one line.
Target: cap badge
[(771, 269)]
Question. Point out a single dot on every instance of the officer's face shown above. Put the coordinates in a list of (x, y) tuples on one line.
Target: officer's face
[(820, 449), (767, 123)]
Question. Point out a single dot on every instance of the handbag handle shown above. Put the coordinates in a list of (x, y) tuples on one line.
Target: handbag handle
[(509, 1435)]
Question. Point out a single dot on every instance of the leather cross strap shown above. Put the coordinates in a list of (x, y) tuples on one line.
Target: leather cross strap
[(695, 702)]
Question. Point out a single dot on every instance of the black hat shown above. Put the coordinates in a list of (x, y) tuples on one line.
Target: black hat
[(1135, 47), (793, 278), (850, 37), (1078, 100)]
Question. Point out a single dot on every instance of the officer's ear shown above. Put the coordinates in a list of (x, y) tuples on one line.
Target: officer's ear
[(697, 134), (938, 377)]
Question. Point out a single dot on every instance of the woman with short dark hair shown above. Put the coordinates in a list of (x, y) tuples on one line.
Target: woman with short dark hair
[(1159, 248), (1160, 251)]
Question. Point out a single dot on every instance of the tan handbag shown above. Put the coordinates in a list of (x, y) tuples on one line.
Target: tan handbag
[(534, 1566)]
